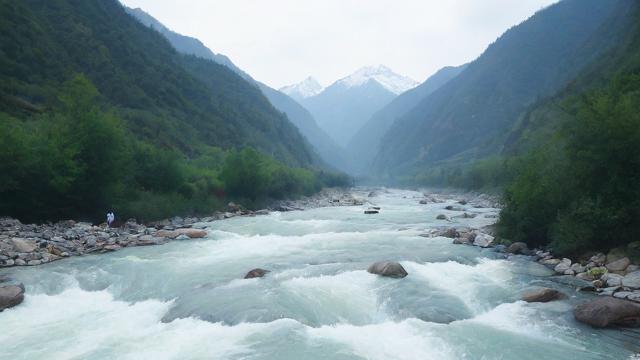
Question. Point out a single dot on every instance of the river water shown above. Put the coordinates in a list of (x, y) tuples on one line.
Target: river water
[(187, 299)]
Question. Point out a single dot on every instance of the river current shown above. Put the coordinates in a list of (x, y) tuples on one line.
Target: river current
[(188, 299)]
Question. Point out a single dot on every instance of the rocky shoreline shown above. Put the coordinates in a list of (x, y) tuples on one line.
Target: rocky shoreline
[(612, 276), (36, 244)]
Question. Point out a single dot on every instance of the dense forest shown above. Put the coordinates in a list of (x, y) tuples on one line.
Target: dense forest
[(569, 166), (99, 112)]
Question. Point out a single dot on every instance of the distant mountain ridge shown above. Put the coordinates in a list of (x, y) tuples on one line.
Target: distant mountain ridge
[(343, 107), (464, 119), (366, 142), (304, 89)]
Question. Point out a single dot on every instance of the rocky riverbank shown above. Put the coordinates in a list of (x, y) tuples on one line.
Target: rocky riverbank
[(35, 244), (612, 276)]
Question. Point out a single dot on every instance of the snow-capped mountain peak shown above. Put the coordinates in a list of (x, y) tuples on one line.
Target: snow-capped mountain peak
[(391, 81), (307, 88)]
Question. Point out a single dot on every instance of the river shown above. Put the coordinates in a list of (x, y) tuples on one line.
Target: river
[(187, 299)]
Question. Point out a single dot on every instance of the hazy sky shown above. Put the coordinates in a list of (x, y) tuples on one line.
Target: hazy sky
[(281, 42)]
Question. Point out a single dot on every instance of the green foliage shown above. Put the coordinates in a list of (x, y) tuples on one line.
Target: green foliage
[(581, 193), (77, 161), (250, 174)]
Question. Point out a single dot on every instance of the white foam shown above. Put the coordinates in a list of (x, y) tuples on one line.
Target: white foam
[(81, 324), (464, 281), (409, 339), (347, 297)]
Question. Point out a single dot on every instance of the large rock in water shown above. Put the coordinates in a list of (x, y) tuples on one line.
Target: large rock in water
[(256, 273), (11, 295), (388, 268), (192, 233), (608, 311), (543, 295), (518, 248)]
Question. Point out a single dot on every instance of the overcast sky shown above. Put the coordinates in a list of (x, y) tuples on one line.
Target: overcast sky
[(281, 42)]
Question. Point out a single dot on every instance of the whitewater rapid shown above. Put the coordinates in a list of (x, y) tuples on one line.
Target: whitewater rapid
[(187, 299)]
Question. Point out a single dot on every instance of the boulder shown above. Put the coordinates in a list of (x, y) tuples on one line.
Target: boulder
[(578, 268), (618, 265), (192, 233), (451, 233), (563, 266), (256, 273), (388, 269), (543, 295), (171, 234), (518, 248), (607, 311), (585, 276), (441, 217), (423, 202), (615, 254), (612, 279), (483, 240), (11, 295), (370, 211), (550, 262), (632, 280), (24, 246)]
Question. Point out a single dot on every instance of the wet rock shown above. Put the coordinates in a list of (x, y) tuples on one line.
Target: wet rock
[(11, 295), (585, 276), (23, 246), (451, 233), (632, 280), (612, 279), (192, 233), (578, 268), (550, 262), (618, 265), (441, 217), (543, 295), (563, 266), (518, 248), (256, 273), (608, 311), (388, 269), (371, 211), (483, 240), (453, 208)]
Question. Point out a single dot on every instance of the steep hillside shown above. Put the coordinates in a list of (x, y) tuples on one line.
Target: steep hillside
[(533, 60), (365, 144), (576, 168), (98, 112), (141, 75), (328, 150)]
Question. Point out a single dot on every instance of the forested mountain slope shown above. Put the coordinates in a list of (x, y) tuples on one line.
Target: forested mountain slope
[(138, 72), (531, 61), (366, 142), (574, 162), (98, 111), (328, 150)]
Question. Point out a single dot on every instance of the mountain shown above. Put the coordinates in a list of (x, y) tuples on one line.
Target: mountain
[(342, 108), (98, 111), (185, 44), (464, 119), (328, 150), (366, 142), (573, 160), (307, 88)]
